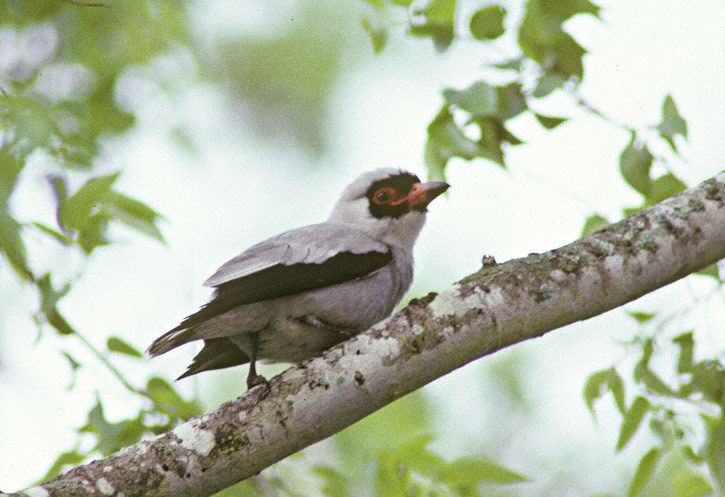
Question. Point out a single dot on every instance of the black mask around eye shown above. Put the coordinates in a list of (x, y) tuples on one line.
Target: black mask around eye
[(386, 197)]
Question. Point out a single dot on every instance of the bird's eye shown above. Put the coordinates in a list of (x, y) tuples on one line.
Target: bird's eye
[(384, 195)]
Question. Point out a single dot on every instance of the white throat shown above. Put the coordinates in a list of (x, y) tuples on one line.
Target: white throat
[(400, 232)]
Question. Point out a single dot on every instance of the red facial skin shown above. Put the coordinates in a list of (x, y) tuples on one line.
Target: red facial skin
[(421, 194)]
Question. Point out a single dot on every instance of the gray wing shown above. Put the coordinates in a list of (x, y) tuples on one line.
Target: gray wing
[(301, 260), (313, 244), (297, 261)]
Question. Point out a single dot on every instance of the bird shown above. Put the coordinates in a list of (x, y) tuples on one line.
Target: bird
[(293, 296)]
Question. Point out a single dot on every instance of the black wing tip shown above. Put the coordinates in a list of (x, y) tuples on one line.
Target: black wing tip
[(186, 374), (169, 340)]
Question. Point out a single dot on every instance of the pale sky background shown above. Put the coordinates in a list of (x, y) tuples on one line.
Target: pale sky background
[(237, 190)]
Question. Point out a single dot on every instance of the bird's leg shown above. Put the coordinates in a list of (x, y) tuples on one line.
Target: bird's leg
[(254, 379)]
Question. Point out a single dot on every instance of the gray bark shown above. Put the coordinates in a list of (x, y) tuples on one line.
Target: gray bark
[(495, 307)]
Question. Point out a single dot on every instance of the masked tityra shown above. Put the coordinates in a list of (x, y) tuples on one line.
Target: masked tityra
[(295, 295)]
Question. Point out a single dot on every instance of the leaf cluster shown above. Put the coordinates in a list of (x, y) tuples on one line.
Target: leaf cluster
[(697, 397), (472, 123), (58, 103)]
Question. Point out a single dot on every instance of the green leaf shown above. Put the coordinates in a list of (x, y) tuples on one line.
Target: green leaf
[(182, 139), (76, 210), (446, 140), (510, 64), (630, 211), (549, 122), (631, 420), (713, 271), (471, 471), (562, 10), (644, 470), (59, 185), (93, 233), (167, 401), (439, 22), (635, 163), (449, 138), (49, 298), (115, 344), (593, 388), (690, 484), (672, 122), (543, 40), (715, 447), (490, 144), (493, 134), (664, 187), (415, 454), (74, 366), (10, 167), (511, 101), (64, 460), (593, 223), (111, 437), (379, 37), (616, 386), (487, 23), (57, 235), (12, 246), (396, 467), (510, 370), (31, 121), (393, 478), (94, 205), (691, 455), (391, 427), (479, 99), (708, 377), (133, 213), (378, 4), (334, 483), (686, 344), (547, 83), (644, 375), (642, 317)]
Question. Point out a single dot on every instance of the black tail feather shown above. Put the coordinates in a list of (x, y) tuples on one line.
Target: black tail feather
[(218, 353), (170, 340)]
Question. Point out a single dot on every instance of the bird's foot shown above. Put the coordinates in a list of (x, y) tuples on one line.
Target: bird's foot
[(254, 380)]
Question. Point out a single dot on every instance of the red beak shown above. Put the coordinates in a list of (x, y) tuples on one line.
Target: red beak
[(423, 194)]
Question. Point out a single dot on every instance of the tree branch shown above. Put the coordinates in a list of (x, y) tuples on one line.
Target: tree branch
[(497, 306)]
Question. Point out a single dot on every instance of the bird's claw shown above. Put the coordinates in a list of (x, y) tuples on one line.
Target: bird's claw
[(256, 380)]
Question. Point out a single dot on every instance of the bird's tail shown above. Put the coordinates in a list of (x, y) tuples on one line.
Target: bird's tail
[(218, 353), (170, 340)]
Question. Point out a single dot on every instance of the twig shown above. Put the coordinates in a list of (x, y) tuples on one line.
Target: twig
[(88, 4)]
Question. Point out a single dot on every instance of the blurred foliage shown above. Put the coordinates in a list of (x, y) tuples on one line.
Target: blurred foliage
[(472, 122), (286, 80), (58, 81)]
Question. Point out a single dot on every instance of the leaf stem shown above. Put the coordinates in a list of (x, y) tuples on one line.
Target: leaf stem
[(593, 110), (104, 360)]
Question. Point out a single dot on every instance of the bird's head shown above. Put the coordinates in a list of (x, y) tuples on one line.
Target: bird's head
[(388, 204)]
